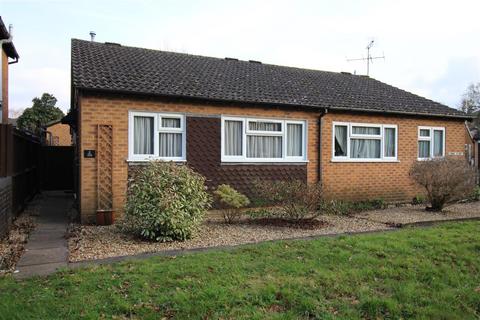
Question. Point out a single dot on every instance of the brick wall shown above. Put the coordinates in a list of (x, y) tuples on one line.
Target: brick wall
[(60, 134), (203, 154), (114, 110), (5, 205), (390, 181), (353, 181)]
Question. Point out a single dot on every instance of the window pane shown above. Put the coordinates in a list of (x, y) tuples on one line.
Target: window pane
[(424, 133), (170, 122), (233, 138), (170, 144), (294, 140), (366, 130), (340, 141), (143, 135), (365, 148), (264, 147), (438, 143), (424, 149), (264, 126), (389, 142)]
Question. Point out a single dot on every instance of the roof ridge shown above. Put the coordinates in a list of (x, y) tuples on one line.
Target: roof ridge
[(211, 57)]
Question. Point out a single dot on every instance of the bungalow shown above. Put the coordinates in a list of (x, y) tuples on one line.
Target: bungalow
[(236, 122)]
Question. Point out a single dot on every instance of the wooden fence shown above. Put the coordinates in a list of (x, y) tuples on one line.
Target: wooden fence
[(19, 159)]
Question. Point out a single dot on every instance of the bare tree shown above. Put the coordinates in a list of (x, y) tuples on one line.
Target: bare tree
[(470, 102)]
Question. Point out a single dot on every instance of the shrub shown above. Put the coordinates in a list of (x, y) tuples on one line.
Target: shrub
[(340, 207), (296, 199), (445, 180), (233, 200), (476, 193), (166, 202), (418, 199)]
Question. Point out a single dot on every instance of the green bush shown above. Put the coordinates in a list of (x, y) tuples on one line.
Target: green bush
[(294, 200), (166, 202), (418, 199), (476, 193), (232, 200)]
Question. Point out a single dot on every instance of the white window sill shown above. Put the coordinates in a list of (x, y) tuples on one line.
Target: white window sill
[(155, 159), (257, 163), (366, 160)]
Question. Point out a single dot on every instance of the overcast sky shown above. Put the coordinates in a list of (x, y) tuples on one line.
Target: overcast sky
[(431, 48)]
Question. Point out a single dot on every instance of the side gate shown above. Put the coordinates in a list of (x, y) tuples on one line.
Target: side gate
[(56, 168)]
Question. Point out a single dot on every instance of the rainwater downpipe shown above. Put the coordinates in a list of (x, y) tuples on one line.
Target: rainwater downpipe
[(324, 112)]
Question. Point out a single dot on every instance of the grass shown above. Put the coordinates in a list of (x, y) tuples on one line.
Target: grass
[(414, 273)]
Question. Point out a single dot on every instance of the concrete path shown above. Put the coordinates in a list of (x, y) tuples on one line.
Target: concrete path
[(47, 250)]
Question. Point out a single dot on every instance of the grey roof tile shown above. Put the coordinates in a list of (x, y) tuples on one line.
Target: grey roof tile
[(124, 69)]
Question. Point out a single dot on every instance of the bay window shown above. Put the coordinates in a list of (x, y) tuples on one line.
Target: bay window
[(156, 136), (431, 142), (364, 142), (263, 140)]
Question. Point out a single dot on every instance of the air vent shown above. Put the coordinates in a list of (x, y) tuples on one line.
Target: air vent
[(231, 59), (255, 61), (113, 44), (344, 72)]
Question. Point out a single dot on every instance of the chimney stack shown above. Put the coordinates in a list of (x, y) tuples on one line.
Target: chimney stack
[(92, 35)]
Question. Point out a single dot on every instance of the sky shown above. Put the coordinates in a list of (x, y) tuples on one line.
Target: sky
[(431, 48)]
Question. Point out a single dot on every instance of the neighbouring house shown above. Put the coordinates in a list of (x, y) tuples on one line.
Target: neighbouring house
[(236, 122), (8, 56), (57, 134), (472, 144)]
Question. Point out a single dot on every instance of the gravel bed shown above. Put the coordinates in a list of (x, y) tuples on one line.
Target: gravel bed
[(13, 245), (411, 214), (96, 242)]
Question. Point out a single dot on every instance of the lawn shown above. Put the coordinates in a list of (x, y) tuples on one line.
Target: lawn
[(413, 273)]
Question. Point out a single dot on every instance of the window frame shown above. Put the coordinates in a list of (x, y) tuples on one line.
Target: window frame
[(431, 139), (157, 129), (247, 132), (351, 135)]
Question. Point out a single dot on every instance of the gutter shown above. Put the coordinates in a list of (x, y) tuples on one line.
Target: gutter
[(260, 103), (324, 112)]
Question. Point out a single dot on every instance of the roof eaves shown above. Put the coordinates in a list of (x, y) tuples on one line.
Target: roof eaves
[(459, 116)]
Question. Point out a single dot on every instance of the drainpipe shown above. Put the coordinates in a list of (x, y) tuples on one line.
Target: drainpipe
[(2, 42), (324, 112)]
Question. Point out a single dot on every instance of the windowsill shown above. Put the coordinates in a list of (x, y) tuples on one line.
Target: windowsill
[(260, 163), (366, 160), (427, 159)]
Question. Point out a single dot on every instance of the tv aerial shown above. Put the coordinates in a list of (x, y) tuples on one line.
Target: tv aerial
[(369, 58)]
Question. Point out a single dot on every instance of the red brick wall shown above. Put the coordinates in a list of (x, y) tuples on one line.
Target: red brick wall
[(60, 134), (114, 111), (390, 181), (354, 181)]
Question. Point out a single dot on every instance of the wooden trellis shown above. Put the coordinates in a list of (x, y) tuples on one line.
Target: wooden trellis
[(104, 167)]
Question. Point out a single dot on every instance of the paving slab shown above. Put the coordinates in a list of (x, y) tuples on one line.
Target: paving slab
[(46, 249), (38, 270), (44, 256)]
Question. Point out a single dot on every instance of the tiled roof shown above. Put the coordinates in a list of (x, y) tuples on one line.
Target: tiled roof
[(116, 68)]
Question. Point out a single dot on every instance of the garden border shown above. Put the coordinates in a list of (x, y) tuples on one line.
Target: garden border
[(175, 252)]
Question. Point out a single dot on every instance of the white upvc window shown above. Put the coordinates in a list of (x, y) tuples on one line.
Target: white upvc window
[(263, 140), (431, 142), (364, 142), (156, 136)]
